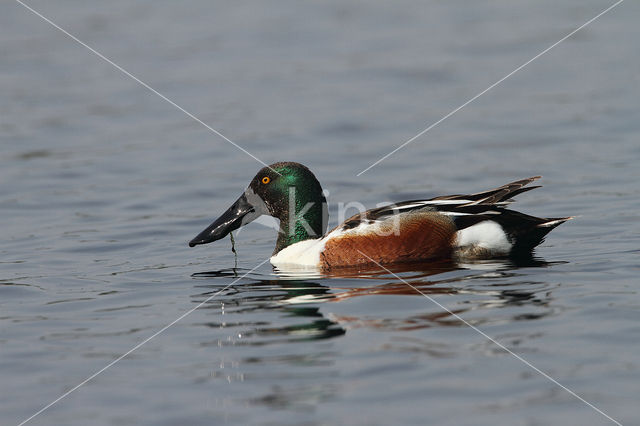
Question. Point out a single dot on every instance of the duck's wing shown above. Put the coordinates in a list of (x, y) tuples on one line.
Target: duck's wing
[(503, 194), (465, 210)]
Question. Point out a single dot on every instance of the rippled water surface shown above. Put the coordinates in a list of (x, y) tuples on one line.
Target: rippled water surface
[(103, 183)]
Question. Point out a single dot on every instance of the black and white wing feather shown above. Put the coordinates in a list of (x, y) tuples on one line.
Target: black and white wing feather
[(465, 210)]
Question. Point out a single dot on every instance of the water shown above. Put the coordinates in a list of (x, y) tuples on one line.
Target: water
[(103, 184)]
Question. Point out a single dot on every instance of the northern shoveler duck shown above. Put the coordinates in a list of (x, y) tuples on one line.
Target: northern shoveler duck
[(447, 227)]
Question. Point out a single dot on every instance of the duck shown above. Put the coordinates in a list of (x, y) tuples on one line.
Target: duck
[(450, 227)]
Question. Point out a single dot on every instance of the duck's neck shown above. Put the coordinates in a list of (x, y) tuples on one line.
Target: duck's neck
[(304, 218)]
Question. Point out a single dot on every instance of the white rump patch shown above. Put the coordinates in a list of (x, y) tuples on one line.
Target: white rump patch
[(487, 236)]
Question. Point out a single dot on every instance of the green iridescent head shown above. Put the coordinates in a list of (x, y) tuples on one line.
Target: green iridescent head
[(287, 191)]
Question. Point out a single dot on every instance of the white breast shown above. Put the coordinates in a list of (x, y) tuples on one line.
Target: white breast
[(305, 254)]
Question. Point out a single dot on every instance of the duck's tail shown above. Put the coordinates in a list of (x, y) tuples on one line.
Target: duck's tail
[(529, 231)]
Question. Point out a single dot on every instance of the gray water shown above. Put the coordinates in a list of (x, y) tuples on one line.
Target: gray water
[(104, 183)]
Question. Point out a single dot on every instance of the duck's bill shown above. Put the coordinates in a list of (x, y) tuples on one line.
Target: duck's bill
[(239, 214)]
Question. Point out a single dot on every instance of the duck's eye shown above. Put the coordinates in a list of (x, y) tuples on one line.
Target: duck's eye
[(266, 179)]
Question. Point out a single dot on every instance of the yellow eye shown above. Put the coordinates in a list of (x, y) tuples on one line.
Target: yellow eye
[(266, 179)]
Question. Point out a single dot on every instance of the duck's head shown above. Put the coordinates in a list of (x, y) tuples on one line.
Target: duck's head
[(287, 191)]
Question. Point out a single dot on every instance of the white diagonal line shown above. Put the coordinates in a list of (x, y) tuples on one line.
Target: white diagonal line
[(136, 79), (493, 85), (500, 345), (97, 373)]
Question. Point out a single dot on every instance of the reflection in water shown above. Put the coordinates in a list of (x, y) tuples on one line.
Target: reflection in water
[(421, 268), (292, 311), (499, 288), (263, 295), (368, 271), (301, 397)]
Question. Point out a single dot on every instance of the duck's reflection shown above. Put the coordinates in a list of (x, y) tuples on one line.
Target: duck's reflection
[(305, 315), (297, 321), (260, 321)]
